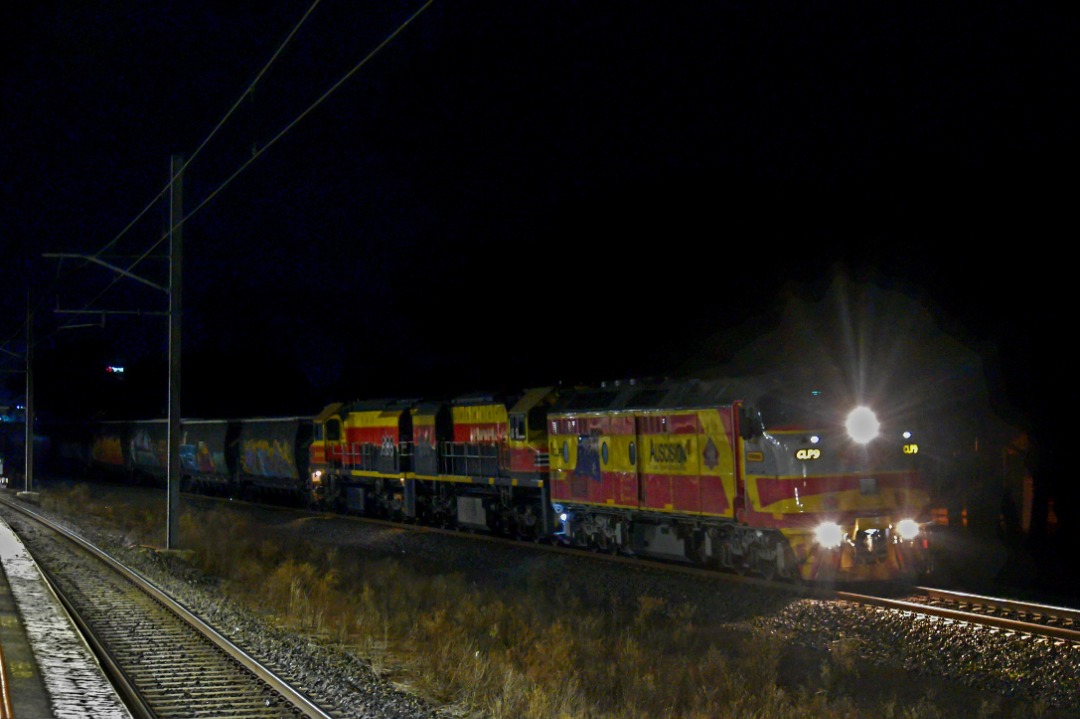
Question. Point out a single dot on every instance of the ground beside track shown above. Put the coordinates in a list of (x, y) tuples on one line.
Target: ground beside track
[(899, 662)]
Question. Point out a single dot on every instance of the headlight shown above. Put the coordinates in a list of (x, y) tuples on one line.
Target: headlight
[(862, 425), (908, 529), (829, 535)]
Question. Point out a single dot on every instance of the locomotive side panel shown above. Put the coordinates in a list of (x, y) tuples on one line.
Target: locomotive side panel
[(716, 455), (576, 476), (431, 430), (688, 462), (526, 455), (480, 429), (621, 486), (376, 442)]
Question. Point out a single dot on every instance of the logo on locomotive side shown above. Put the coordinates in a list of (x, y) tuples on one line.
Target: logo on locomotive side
[(710, 454)]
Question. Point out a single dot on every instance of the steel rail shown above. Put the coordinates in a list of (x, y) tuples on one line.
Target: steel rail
[(1072, 635), (1012, 605), (250, 663)]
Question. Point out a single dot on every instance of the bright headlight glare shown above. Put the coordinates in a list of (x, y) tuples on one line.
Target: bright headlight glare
[(829, 535), (862, 425), (908, 529)]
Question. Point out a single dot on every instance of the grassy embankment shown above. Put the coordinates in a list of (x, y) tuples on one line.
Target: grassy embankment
[(511, 657)]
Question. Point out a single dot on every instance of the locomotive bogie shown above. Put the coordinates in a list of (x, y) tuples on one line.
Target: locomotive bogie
[(595, 530)]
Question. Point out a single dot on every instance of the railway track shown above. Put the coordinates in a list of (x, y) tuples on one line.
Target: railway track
[(164, 660), (1040, 620)]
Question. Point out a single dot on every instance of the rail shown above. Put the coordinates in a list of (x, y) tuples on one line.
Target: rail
[(5, 689), (974, 617), (277, 684)]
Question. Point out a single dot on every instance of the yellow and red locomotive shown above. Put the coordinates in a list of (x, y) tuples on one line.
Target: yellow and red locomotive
[(475, 462), (693, 471), (719, 473)]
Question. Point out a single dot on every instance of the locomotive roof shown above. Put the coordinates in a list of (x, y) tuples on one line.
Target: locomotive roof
[(428, 408), (379, 405), (531, 398), (666, 394)]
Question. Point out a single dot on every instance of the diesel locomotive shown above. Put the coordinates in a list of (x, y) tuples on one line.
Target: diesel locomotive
[(718, 473)]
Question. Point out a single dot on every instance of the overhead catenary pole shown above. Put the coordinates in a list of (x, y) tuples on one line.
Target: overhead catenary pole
[(175, 255), (28, 475)]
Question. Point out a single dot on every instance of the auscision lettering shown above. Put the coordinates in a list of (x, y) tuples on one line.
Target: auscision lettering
[(666, 452)]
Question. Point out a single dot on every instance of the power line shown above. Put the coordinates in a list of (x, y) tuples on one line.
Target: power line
[(255, 155), (168, 185), (220, 124), (258, 153)]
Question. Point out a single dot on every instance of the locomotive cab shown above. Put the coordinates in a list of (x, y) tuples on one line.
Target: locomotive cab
[(846, 490)]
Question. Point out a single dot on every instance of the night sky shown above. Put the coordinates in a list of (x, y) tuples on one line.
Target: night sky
[(516, 194)]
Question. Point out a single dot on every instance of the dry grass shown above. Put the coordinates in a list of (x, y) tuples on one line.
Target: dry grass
[(511, 657)]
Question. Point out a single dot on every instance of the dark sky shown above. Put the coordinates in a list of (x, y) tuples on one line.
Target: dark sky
[(522, 193)]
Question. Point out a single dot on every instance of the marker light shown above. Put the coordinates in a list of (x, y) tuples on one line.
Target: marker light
[(908, 529), (862, 425), (829, 535)]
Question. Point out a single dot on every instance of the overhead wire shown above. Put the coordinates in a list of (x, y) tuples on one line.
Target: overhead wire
[(255, 155), (221, 123), (139, 215), (258, 152)]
